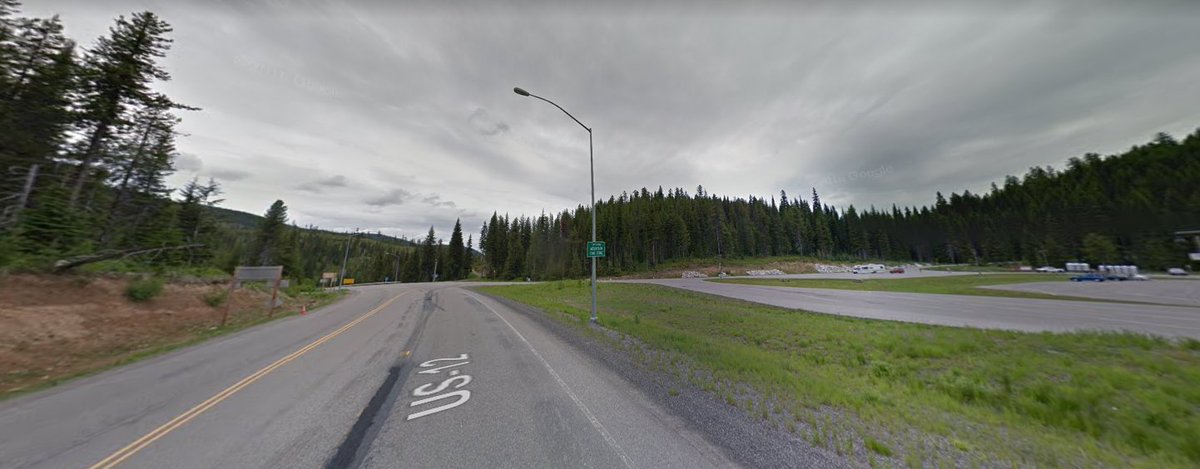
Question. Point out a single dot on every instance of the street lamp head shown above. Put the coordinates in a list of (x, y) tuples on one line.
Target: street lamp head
[(520, 92)]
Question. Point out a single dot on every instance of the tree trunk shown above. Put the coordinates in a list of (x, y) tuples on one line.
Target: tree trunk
[(123, 189), (85, 165)]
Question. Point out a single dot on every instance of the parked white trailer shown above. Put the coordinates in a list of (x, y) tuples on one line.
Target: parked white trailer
[(869, 269), (1118, 272), (1078, 267)]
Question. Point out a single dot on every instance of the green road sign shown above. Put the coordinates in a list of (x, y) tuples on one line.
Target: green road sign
[(595, 249)]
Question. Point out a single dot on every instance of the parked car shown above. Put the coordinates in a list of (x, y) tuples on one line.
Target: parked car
[(1176, 271), (1139, 277), (896, 270), (1048, 269), (1088, 278)]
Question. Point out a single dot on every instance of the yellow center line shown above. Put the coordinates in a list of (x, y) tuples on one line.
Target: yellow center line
[(124, 453)]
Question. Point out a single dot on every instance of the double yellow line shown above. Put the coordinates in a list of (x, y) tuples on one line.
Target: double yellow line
[(125, 453)]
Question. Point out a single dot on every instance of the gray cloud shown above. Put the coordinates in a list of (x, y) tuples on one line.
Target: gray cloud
[(392, 197), (299, 81), (188, 163), (229, 175), (320, 185), (871, 103), (436, 201), (485, 124)]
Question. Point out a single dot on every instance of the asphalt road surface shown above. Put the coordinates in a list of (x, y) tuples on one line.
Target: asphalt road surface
[(959, 310), (1175, 292), (393, 376)]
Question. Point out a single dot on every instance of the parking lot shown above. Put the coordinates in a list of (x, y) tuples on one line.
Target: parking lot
[(1176, 314), (1183, 292)]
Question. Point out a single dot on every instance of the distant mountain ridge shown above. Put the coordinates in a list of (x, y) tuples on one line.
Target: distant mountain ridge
[(238, 219)]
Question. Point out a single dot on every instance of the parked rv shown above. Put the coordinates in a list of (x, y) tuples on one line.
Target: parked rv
[(1118, 272), (869, 269), (1078, 267)]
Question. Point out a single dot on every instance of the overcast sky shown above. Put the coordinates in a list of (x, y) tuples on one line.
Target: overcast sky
[(395, 116)]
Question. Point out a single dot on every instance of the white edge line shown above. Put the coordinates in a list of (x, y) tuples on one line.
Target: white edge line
[(579, 403)]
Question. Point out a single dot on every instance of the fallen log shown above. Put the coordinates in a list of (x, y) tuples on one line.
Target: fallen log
[(71, 263)]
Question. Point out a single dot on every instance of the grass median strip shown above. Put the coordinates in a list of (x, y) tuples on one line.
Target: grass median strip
[(945, 285), (988, 397)]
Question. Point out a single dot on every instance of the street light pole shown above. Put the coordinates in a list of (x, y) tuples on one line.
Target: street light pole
[(397, 277), (436, 259), (592, 170), (346, 257)]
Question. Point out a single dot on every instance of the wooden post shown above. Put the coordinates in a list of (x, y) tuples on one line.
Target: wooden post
[(229, 296), (274, 294)]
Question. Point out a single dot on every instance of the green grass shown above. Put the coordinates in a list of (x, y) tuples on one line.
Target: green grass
[(127, 266), (1082, 399), (947, 285), (877, 447)]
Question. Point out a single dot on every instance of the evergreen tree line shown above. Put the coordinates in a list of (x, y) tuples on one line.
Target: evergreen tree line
[(307, 253), (85, 140), (86, 144), (1117, 209), (431, 257)]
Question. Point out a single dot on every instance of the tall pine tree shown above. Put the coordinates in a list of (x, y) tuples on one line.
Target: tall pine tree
[(116, 78), (456, 267), (269, 240)]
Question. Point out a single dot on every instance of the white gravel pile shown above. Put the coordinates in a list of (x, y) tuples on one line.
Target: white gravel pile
[(757, 273), (694, 274), (831, 269)]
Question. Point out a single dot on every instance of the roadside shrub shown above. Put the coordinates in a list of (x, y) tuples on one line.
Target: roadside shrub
[(966, 390), (8, 250), (144, 289), (216, 298), (302, 286)]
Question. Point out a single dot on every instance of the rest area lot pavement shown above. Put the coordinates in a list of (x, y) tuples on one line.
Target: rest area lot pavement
[(1174, 292), (1020, 314)]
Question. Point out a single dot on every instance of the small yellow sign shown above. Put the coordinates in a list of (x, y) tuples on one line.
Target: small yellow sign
[(347, 281)]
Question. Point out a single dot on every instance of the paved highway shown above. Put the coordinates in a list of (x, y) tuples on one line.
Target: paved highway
[(393, 376), (959, 310)]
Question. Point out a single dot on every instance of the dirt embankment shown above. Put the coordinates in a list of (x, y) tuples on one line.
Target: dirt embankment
[(56, 327)]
